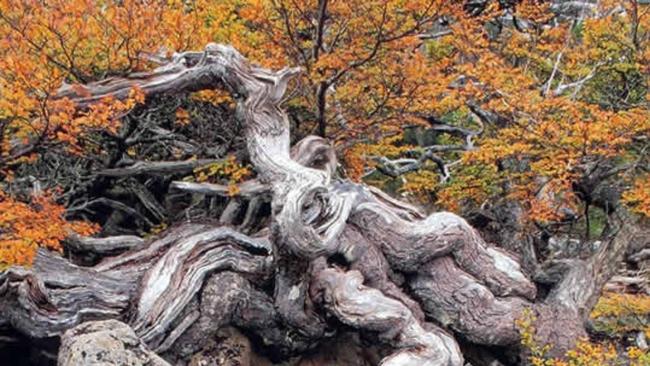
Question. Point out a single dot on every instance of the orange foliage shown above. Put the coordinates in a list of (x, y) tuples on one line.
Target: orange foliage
[(26, 226), (381, 75), (44, 45), (588, 353), (554, 132), (639, 196), (364, 68), (229, 170), (182, 117)]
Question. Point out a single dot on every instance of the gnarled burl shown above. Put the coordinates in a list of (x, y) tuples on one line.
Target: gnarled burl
[(410, 282)]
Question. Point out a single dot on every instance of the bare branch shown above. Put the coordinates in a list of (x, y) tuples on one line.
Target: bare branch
[(102, 245), (247, 189), (158, 168)]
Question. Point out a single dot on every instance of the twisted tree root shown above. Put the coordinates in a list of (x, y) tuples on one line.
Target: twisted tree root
[(344, 295)]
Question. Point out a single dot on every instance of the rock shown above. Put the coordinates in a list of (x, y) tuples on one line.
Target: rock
[(108, 342)]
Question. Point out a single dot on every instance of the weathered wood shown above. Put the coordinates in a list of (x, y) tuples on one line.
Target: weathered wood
[(344, 295), (640, 256), (106, 245), (159, 280), (158, 168), (246, 189)]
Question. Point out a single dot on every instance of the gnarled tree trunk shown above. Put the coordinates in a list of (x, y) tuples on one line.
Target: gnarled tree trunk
[(336, 255)]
